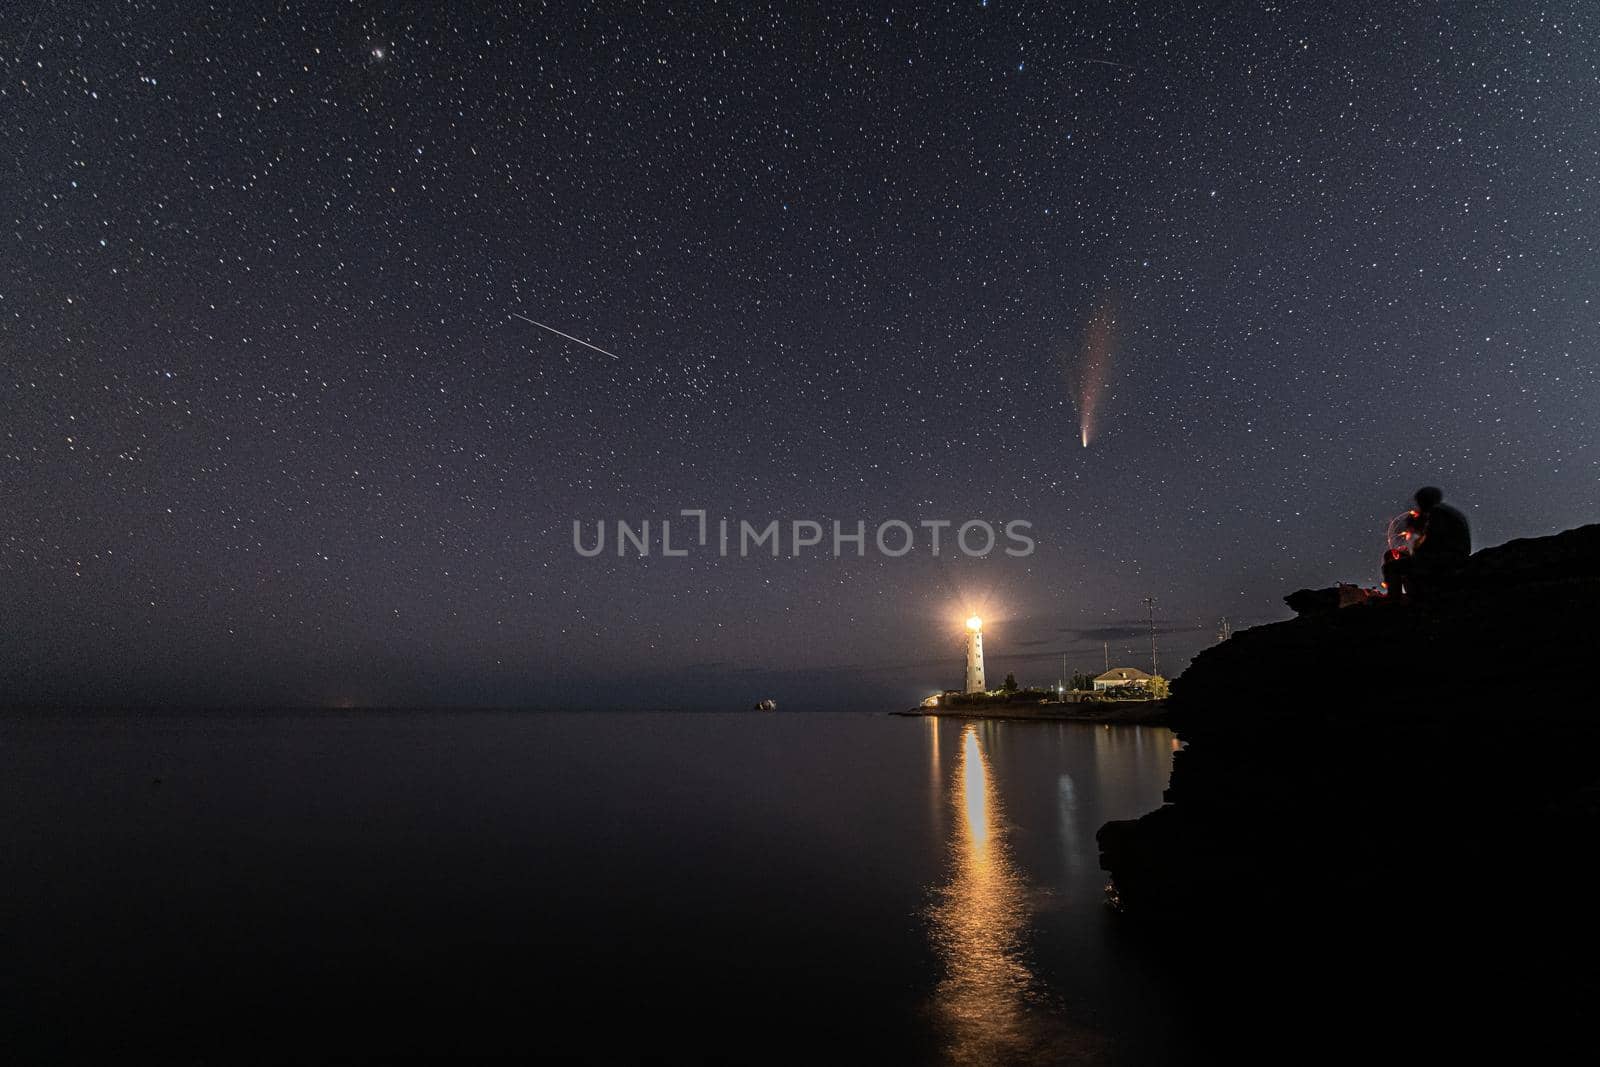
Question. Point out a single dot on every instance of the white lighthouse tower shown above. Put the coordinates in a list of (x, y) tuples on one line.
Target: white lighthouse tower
[(975, 655)]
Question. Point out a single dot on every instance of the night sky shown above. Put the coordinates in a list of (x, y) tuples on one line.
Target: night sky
[(271, 431)]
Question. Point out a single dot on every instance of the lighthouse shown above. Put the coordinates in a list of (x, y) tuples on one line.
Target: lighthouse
[(975, 655)]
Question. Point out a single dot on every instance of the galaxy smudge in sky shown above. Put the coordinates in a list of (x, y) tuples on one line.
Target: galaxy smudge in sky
[(267, 433)]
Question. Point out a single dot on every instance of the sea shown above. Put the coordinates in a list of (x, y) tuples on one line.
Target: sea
[(383, 886)]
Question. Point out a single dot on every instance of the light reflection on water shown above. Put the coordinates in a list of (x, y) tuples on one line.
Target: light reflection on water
[(930, 902), (989, 1005)]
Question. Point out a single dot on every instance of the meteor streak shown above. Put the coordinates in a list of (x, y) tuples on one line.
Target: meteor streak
[(1102, 62), (568, 336)]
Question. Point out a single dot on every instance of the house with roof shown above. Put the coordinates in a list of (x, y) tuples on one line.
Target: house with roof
[(1117, 677)]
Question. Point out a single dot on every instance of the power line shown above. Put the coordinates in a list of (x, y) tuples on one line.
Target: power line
[(1150, 605)]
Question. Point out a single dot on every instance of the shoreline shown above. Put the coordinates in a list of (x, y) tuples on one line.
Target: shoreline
[(1131, 713)]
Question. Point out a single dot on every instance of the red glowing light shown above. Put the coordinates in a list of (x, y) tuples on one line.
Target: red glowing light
[(1400, 534)]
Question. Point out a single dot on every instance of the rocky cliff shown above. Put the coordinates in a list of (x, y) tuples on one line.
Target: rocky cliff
[(1419, 774)]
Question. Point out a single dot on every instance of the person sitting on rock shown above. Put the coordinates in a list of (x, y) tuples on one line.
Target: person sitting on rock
[(1440, 544)]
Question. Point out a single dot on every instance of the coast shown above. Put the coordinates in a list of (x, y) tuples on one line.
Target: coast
[(1407, 815), (1125, 713)]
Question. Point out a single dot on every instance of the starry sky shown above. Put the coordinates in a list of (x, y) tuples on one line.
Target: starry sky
[(272, 431)]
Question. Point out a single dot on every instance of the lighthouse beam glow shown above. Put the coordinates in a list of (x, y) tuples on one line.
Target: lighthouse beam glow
[(975, 656)]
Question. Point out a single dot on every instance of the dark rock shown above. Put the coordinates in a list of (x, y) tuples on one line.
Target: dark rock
[(1405, 773), (1317, 601)]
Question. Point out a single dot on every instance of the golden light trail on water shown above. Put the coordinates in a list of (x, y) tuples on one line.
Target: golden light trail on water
[(979, 923), (990, 1005), (975, 780)]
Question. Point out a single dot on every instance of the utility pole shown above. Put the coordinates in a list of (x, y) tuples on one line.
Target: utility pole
[(1150, 605), (1224, 631), (1106, 646)]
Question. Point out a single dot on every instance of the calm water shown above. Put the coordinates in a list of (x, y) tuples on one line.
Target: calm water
[(607, 886)]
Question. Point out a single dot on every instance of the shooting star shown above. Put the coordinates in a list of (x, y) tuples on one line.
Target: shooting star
[(1102, 62), (568, 336)]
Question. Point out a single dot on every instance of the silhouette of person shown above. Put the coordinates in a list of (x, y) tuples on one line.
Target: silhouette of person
[(1440, 545)]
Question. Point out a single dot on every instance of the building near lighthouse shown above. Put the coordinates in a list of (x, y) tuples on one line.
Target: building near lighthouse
[(975, 656), (1119, 677)]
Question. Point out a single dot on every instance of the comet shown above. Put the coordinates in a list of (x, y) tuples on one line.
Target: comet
[(1094, 369), (568, 336)]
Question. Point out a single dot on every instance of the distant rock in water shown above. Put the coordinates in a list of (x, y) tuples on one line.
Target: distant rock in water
[(1431, 764)]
